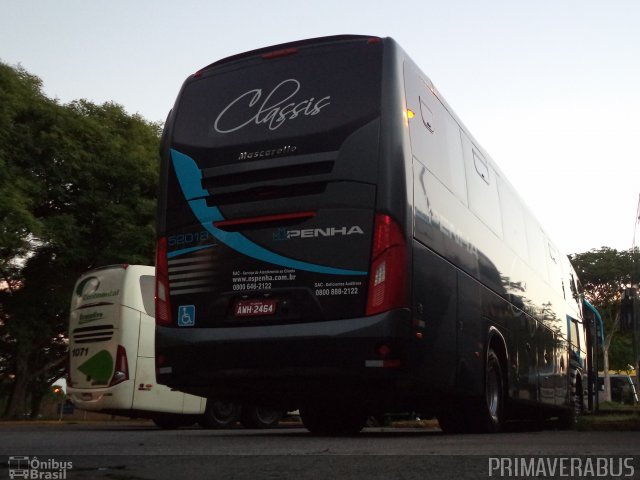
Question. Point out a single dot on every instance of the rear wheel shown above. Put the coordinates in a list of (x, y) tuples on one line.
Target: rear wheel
[(260, 417), (220, 414), (491, 414), (569, 418), (483, 415), (333, 419)]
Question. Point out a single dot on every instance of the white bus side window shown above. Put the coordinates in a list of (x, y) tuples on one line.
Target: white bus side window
[(147, 288)]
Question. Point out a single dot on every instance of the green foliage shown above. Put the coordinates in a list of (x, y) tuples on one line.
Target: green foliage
[(78, 183), (604, 273)]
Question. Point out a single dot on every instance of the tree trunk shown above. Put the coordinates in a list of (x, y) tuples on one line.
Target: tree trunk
[(17, 406), (605, 367), (605, 357)]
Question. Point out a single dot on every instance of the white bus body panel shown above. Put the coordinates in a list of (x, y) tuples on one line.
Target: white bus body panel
[(113, 307)]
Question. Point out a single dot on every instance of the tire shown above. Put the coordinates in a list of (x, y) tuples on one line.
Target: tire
[(260, 417), (490, 413), (333, 419), (220, 414), (490, 416), (480, 415), (569, 418)]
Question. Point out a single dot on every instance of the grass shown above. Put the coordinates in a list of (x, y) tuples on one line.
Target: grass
[(611, 416)]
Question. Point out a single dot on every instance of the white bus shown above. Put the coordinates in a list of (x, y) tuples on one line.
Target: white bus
[(112, 358)]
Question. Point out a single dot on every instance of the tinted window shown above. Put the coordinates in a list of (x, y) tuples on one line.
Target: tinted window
[(327, 90)]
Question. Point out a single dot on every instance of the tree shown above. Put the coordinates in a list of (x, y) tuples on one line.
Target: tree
[(604, 274), (81, 179)]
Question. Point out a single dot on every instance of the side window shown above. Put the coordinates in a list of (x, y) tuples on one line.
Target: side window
[(148, 290), (555, 272), (537, 250), (574, 286), (482, 187), (513, 225), (481, 166), (427, 116), (553, 254), (574, 334), (434, 134)]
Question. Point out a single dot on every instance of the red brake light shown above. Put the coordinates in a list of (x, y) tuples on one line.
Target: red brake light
[(121, 372), (163, 303), (387, 289)]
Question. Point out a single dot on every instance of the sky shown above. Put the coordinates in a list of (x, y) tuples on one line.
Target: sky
[(549, 88)]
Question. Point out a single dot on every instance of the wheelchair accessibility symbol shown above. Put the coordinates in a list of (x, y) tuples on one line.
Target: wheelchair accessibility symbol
[(186, 315)]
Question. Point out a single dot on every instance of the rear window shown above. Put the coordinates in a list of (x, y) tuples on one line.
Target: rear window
[(100, 286), (326, 90), (147, 289)]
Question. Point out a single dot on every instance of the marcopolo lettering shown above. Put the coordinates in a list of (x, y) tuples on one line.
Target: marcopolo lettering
[(274, 152)]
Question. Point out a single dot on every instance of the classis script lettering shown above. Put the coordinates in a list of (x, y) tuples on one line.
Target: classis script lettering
[(272, 109)]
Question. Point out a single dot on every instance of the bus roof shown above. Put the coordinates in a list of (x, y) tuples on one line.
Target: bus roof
[(285, 46)]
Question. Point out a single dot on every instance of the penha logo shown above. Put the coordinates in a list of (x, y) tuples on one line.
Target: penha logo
[(273, 109), (286, 234)]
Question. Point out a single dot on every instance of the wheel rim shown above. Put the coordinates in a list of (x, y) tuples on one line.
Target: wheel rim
[(223, 410), (267, 416), (493, 392)]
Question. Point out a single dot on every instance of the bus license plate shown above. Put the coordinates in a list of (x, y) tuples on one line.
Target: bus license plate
[(252, 308)]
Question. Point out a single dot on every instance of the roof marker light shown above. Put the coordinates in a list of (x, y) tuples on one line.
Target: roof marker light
[(280, 53)]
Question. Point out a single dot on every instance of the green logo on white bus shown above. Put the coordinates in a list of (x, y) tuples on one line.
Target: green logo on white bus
[(98, 368)]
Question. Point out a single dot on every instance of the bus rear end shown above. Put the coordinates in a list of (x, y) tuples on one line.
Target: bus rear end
[(103, 341), (280, 279)]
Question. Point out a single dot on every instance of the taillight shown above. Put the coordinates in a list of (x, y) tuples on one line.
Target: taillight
[(387, 289), (121, 372), (163, 304)]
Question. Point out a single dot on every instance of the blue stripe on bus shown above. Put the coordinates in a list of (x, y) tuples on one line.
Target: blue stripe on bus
[(184, 251), (190, 180)]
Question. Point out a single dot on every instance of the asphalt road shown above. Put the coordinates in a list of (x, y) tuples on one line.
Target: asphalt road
[(140, 451)]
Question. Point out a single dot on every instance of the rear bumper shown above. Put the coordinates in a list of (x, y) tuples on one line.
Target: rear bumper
[(119, 397), (289, 364)]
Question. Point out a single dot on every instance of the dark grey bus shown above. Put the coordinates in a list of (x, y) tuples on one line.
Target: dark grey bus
[(332, 239)]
